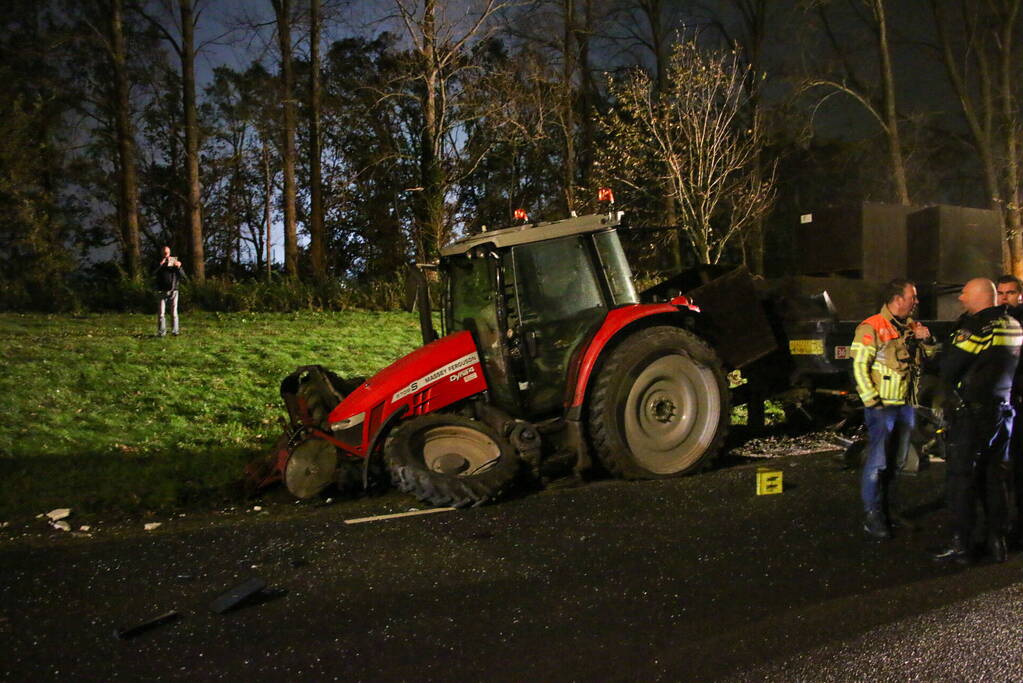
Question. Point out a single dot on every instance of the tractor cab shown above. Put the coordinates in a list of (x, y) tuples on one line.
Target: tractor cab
[(533, 296)]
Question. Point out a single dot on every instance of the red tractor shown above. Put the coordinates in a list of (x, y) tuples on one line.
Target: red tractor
[(546, 356)]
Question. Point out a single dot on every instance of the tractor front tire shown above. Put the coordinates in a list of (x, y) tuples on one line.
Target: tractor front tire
[(450, 460), (659, 406)]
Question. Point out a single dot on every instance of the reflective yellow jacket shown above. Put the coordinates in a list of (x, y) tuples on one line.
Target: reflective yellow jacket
[(883, 359)]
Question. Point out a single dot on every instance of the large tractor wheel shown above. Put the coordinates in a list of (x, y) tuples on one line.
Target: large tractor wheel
[(659, 406), (446, 459)]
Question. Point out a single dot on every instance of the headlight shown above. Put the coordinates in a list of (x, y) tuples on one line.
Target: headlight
[(348, 422)]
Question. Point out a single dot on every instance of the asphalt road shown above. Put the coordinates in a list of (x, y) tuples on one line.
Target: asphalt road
[(688, 579)]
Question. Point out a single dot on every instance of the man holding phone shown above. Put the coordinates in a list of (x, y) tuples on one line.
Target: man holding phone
[(168, 275)]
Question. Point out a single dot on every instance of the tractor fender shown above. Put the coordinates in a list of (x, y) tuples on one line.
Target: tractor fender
[(620, 323), (378, 439)]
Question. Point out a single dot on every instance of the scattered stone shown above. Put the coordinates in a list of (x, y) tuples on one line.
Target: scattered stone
[(85, 527), (152, 525), (257, 508), (62, 525), (58, 514)]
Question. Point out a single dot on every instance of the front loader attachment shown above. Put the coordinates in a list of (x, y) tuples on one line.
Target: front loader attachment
[(303, 456)]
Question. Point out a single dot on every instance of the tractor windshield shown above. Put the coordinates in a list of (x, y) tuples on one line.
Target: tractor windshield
[(616, 268)]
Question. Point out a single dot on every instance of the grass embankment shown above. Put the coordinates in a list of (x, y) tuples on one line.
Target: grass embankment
[(98, 414)]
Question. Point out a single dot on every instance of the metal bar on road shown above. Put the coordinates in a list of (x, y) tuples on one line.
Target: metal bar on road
[(410, 513)]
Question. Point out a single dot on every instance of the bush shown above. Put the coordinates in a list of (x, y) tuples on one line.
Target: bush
[(105, 287)]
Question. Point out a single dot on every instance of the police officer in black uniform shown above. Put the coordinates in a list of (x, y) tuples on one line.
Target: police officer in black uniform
[(1010, 295), (977, 372)]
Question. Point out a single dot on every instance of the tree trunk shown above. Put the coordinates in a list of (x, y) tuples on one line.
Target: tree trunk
[(587, 98), (267, 199), (568, 105), (128, 212), (1008, 76), (316, 236), (978, 111), (431, 197), (287, 83), (653, 11), (888, 104), (194, 194)]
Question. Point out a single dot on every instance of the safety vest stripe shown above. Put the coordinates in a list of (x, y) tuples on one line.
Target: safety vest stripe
[(973, 344), (1006, 338), (862, 357)]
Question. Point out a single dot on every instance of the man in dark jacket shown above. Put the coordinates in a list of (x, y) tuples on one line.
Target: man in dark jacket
[(1010, 295), (168, 275), (977, 372)]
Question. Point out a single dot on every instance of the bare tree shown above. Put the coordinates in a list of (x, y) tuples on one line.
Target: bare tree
[(184, 46), (977, 46), (697, 132), (439, 42), (128, 200), (316, 236), (282, 11), (650, 27), (748, 32), (880, 103)]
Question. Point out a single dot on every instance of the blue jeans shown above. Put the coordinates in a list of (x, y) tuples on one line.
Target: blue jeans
[(167, 300), (882, 425)]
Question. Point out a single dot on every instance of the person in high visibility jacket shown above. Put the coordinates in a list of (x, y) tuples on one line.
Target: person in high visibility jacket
[(977, 374), (887, 351)]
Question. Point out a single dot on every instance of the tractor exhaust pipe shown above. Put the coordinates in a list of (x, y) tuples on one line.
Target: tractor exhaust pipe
[(417, 296)]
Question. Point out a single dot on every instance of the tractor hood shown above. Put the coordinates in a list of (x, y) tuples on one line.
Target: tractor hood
[(428, 379)]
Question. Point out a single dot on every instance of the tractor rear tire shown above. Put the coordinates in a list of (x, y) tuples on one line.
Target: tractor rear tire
[(660, 405), (450, 460)]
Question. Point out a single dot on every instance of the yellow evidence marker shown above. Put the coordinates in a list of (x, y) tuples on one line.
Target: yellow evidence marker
[(768, 481)]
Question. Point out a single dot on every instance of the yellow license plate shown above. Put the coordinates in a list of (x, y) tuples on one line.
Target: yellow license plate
[(806, 347)]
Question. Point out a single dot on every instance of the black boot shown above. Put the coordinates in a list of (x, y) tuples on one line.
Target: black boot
[(876, 525), (957, 551)]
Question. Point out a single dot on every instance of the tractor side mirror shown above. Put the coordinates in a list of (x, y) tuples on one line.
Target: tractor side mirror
[(417, 296)]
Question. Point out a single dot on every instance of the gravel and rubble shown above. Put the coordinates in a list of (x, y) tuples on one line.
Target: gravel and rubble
[(778, 446)]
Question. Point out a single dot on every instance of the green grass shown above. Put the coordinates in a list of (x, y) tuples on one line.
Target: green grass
[(98, 414)]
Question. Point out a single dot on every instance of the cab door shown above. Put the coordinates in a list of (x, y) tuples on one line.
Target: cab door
[(560, 306)]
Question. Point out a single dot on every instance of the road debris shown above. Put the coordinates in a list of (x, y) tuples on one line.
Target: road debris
[(234, 597), (152, 525), (780, 446), (410, 513), (58, 514), (165, 618)]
